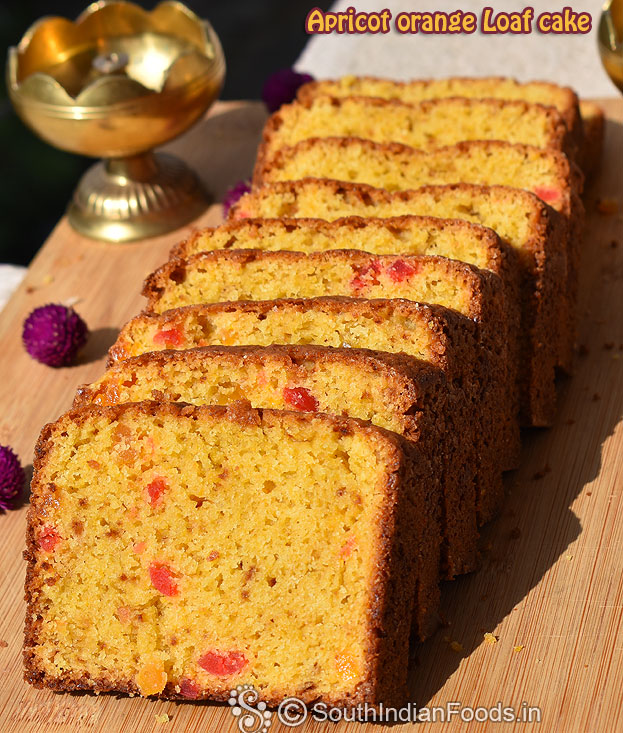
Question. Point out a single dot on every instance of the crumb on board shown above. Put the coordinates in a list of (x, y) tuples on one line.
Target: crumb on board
[(542, 473), (569, 557), (491, 638), (596, 397), (3, 644), (47, 279), (164, 718), (456, 647), (614, 244), (607, 205), (518, 647)]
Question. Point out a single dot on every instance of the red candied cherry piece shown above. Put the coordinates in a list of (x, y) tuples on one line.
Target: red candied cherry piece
[(222, 664), (348, 547), (156, 489), (169, 337), (366, 275), (300, 398), (162, 579), (400, 270), (547, 193), (189, 689), (48, 539)]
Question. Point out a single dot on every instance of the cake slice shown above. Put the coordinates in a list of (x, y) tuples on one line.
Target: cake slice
[(562, 98), (406, 395), (177, 551), (395, 167), (534, 231), (427, 125), (230, 275), (432, 333)]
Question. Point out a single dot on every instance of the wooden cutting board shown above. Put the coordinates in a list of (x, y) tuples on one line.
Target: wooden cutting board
[(550, 588)]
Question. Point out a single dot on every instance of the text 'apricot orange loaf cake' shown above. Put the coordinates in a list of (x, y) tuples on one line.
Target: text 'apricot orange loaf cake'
[(176, 550)]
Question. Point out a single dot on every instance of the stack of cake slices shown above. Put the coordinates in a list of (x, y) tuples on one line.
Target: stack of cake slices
[(304, 430)]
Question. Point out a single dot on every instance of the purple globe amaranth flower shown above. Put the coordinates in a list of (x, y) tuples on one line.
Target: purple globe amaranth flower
[(12, 478), (282, 86), (53, 334), (234, 194)]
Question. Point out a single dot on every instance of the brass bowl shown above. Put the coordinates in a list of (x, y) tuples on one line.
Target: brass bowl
[(116, 83), (610, 40)]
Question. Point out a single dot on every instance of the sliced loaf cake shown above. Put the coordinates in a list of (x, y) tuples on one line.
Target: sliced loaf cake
[(177, 551)]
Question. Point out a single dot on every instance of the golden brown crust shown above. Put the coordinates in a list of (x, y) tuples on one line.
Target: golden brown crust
[(394, 582), (558, 136), (375, 310)]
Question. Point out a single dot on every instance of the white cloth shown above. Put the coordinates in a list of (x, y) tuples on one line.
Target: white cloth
[(10, 278), (565, 59)]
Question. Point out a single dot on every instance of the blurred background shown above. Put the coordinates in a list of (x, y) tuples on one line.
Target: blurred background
[(37, 180)]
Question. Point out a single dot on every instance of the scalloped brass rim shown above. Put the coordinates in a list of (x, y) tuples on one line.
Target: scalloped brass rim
[(209, 49), (65, 111), (97, 7)]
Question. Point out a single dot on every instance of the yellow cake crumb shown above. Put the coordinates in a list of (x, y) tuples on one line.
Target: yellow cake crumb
[(491, 638)]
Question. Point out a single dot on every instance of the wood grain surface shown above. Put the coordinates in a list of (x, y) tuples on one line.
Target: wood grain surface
[(550, 588)]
